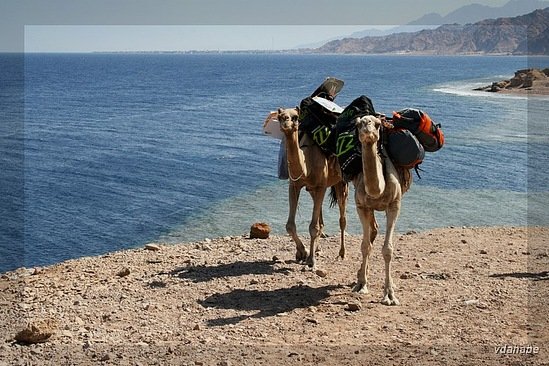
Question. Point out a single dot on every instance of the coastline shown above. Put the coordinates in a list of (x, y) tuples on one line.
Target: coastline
[(524, 82), (234, 300)]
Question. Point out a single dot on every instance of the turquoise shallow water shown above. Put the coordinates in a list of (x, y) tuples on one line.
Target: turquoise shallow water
[(459, 207)]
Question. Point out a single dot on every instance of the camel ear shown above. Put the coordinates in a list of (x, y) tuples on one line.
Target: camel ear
[(280, 110), (377, 122), (297, 109)]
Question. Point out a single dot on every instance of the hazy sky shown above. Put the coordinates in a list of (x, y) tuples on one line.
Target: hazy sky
[(130, 25), (180, 37)]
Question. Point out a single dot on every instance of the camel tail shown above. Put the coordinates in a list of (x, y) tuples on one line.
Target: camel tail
[(333, 196)]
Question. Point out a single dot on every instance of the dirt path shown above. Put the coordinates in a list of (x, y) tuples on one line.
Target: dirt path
[(465, 293)]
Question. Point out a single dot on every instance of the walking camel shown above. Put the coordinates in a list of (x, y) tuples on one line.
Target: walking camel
[(308, 167), (378, 187)]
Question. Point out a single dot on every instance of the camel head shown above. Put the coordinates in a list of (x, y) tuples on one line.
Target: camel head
[(368, 129), (288, 119)]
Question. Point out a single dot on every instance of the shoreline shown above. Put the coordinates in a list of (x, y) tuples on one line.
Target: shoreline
[(524, 82), (234, 300), (30, 270)]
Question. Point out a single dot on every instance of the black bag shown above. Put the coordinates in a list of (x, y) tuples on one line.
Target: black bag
[(361, 106), (317, 121), (348, 148), (404, 148)]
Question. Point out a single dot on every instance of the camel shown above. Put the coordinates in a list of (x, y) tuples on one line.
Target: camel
[(308, 167), (380, 186)]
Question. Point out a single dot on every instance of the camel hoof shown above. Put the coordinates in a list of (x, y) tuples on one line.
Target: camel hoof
[(301, 257), (361, 288), (341, 254), (390, 301), (311, 263)]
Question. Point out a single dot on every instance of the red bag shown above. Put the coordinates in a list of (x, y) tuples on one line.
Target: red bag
[(420, 124)]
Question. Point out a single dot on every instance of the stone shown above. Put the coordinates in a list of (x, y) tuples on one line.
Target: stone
[(321, 273), (105, 357), (407, 276), (36, 331), (354, 306), (260, 230), (152, 247), (123, 272)]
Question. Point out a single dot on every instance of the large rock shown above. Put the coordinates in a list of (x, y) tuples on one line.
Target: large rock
[(260, 230), (36, 331), (531, 80)]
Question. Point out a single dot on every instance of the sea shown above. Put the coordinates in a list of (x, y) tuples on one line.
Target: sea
[(103, 152)]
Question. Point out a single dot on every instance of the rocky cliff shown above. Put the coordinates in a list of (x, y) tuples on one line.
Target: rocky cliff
[(526, 34)]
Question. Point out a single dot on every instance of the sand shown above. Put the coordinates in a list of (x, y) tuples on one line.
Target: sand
[(469, 296)]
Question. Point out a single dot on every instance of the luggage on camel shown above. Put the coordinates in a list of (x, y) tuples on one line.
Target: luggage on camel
[(318, 114), (404, 149), (348, 148), (401, 145), (420, 124)]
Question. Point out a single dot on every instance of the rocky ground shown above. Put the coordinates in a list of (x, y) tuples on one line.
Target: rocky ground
[(527, 81), (469, 296)]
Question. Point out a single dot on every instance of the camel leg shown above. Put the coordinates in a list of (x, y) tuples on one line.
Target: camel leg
[(342, 193), (369, 231), (373, 229), (314, 227), (293, 197), (389, 297), (322, 234)]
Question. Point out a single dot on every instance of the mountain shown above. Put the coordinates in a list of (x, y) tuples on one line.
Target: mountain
[(525, 34), (370, 32), (476, 12), (464, 15)]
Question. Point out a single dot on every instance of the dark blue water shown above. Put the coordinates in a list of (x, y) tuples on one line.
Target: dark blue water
[(102, 152)]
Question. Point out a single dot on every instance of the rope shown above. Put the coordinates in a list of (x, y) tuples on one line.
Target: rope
[(290, 175)]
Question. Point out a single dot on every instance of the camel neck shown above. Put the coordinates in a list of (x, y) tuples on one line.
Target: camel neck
[(372, 168), (296, 159)]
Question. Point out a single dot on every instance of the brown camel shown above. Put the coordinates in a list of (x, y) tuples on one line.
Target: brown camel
[(379, 187), (308, 167)]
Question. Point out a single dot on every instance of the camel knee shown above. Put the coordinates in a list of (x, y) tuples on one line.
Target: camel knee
[(387, 252), (291, 228), (314, 230), (366, 249)]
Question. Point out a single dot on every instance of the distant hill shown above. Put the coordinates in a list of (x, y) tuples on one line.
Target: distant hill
[(476, 12), (464, 15), (525, 34)]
